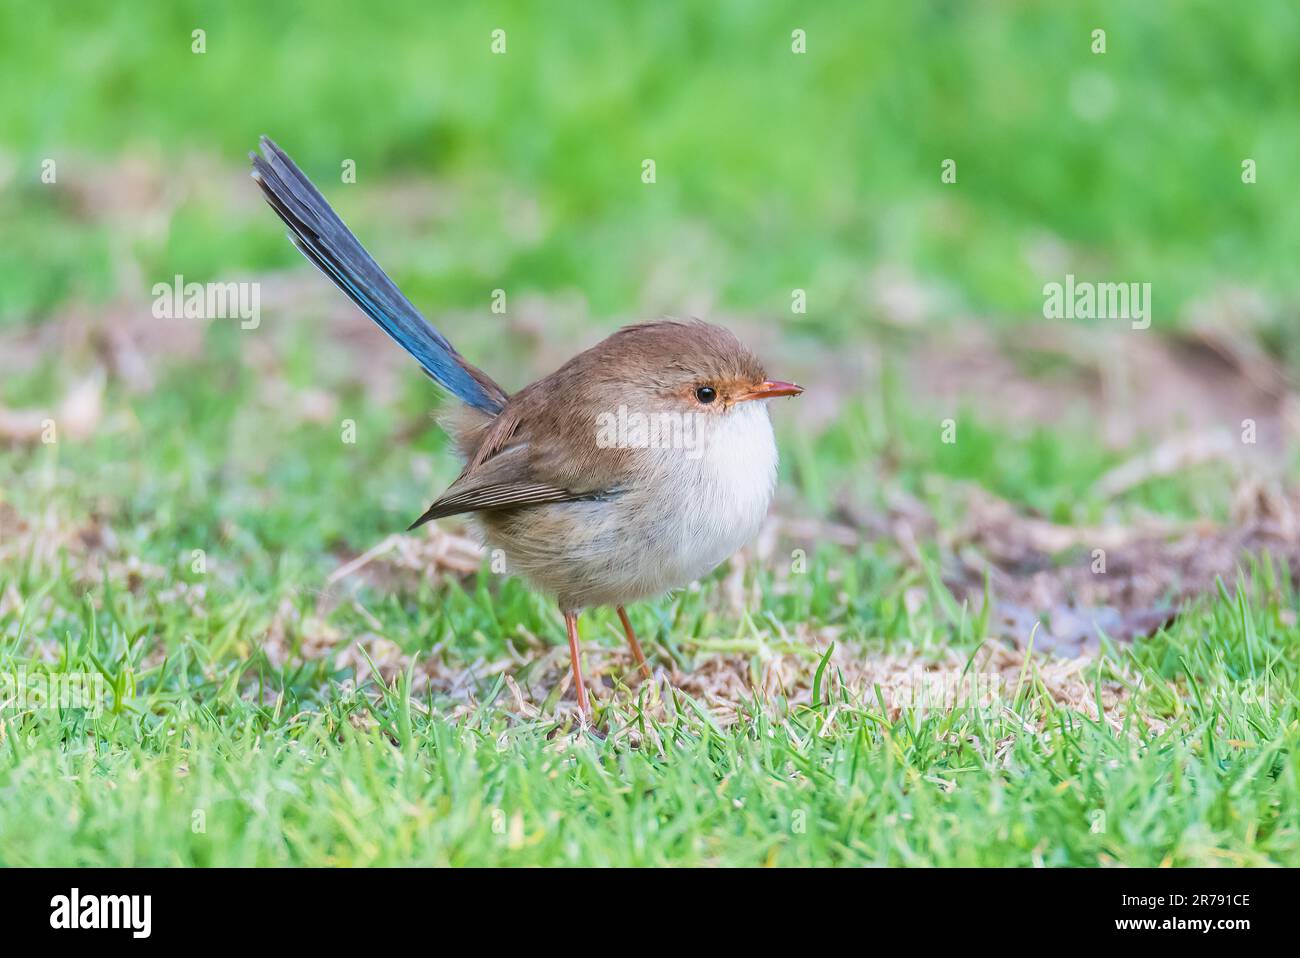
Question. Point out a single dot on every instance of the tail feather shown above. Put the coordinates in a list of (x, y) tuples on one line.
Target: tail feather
[(323, 238)]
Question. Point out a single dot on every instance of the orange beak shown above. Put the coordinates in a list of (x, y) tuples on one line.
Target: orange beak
[(770, 390)]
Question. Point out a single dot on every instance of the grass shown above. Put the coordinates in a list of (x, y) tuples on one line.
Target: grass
[(194, 772), (203, 515), (1122, 165), (214, 755)]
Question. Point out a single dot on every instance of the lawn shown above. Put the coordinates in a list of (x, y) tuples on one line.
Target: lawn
[(923, 660)]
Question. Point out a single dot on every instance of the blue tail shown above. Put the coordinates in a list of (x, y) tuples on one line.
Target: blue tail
[(321, 236)]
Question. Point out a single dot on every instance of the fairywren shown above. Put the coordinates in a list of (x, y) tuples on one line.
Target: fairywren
[(635, 468)]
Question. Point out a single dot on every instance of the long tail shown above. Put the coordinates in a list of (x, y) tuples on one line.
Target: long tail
[(321, 236)]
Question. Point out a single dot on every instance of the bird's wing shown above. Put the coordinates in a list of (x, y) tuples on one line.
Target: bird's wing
[(539, 449), (503, 482)]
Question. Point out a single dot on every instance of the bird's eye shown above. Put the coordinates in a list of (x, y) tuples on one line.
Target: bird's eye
[(706, 394)]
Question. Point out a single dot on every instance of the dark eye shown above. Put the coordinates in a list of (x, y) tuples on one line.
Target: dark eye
[(706, 394)]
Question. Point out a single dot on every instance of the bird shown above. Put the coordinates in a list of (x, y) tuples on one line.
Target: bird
[(633, 470)]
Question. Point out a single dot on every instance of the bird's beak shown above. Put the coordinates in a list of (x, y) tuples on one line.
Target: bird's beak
[(770, 390)]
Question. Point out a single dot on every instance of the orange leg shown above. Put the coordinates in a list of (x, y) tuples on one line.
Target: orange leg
[(571, 626), (633, 643)]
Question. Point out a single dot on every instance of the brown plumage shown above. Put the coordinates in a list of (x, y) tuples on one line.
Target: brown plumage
[(540, 449), (633, 469)]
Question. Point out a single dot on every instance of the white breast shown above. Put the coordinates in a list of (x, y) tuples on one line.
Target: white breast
[(724, 490)]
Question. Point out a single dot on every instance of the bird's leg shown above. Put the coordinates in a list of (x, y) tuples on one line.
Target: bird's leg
[(571, 626), (633, 643)]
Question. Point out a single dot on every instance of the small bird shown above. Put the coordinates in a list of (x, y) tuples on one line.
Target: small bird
[(634, 469)]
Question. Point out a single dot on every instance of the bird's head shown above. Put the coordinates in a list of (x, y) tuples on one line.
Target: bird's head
[(689, 367)]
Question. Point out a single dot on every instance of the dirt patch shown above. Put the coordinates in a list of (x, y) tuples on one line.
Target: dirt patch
[(76, 416), (1123, 582), (774, 674), (1132, 384), (1065, 586)]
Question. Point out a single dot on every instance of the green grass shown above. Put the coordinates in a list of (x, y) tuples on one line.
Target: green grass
[(297, 765), (522, 172), (775, 170), (199, 769)]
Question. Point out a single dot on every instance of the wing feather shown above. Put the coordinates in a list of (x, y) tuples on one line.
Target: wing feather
[(503, 482)]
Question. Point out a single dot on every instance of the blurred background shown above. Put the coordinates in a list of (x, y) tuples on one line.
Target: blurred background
[(209, 513), (798, 197)]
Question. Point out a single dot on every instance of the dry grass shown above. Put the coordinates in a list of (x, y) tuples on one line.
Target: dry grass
[(774, 674)]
